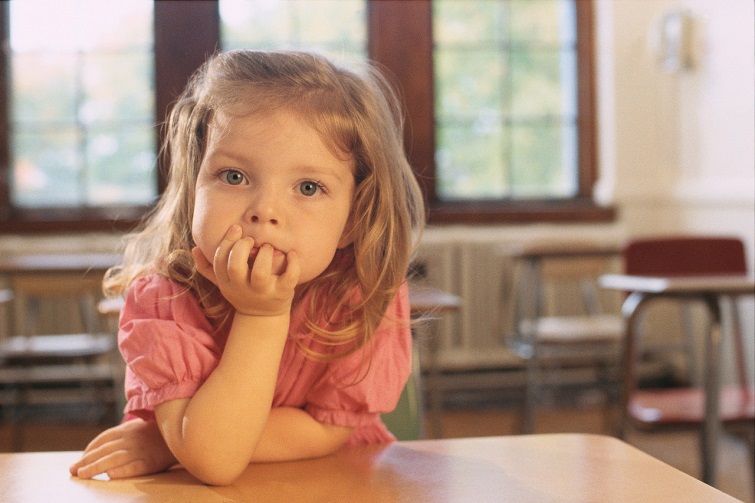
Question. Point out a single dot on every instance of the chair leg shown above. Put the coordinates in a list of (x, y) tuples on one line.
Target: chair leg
[(531, 390)]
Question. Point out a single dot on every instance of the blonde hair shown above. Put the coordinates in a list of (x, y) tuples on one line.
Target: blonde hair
[(359, 115)]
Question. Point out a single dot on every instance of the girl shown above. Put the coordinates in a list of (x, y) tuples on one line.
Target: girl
[(266, 314)]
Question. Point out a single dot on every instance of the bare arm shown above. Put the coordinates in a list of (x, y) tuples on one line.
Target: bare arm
[(214, 433), (137, 447)]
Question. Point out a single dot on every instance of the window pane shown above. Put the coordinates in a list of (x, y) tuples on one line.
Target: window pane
[(334, 27), (506, 101), (82, 103)]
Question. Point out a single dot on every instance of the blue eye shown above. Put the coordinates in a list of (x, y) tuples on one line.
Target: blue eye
[(233, 177), (309, 188)]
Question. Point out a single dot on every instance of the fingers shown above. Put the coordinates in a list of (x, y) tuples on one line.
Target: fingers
[(290, 278), (99, 461), (238, 260), (221, 258), (131, 469), (263, 266)]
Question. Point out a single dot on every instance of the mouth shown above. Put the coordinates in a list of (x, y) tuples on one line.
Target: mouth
[(276, 251), (277, 255)]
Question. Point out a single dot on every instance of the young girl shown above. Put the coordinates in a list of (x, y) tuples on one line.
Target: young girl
[(266, 314)]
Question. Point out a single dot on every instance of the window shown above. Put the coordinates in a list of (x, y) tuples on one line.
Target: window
[(481, 108), (337, 28), (505, 99), (81, 106)]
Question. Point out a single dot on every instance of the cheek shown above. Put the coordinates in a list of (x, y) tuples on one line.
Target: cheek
[(201, 227)]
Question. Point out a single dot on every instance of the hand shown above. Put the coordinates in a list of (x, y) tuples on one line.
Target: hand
[(252, 290), (130, 449)]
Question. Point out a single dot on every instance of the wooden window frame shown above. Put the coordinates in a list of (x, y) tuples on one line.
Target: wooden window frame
[(400, 40), (400, 37)]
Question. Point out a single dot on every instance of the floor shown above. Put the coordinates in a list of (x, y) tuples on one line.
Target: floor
[(463, 419)]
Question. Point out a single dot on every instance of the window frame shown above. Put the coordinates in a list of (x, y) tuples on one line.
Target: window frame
[(400, 40)]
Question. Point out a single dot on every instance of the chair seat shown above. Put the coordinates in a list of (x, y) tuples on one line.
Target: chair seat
[(52, 347), (686, 406), (575, 329)]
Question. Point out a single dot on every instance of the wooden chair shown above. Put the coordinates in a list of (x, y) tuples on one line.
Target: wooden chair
[(577, 336), (683, 407), (55, 368)]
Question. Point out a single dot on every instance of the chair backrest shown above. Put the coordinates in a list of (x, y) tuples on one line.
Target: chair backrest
[(679, 256)]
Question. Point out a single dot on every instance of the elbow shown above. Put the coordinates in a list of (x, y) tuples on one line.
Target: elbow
[(215, 474)]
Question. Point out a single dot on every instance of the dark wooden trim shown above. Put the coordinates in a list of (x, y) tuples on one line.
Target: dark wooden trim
[(588, 172), (519, 212), (5, 169), (400, 41), (186, 33)]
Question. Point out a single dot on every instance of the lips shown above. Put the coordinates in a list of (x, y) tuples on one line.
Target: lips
[(276, 251), (278, 256)]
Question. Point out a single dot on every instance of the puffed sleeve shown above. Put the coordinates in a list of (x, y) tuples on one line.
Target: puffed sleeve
[(357, 388), (169, 346)]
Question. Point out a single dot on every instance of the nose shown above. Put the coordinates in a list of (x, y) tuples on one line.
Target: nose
[(264, 208)]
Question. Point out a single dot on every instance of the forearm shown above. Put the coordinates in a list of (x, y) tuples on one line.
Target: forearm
[(214, 433), (292, 433)]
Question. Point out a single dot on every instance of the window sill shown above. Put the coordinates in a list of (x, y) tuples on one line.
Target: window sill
[(71, 220), (572, 210)]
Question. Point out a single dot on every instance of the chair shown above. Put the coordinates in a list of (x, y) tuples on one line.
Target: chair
[(582, 336), (406, 420), (55, 368), (683, 407)]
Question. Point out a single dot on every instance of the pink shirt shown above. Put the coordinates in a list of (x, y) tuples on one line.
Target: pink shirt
[(170, 349)]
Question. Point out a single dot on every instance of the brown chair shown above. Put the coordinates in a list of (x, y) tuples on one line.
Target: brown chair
[(683, 407)]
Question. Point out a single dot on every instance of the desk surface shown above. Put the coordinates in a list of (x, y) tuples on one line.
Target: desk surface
[(724, 284), (542, 468), (536, 250), (58, 262)]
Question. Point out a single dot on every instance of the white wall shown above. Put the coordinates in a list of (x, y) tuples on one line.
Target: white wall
[(677, 150)]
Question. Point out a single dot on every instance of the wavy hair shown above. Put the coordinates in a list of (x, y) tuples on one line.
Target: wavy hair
[(358, 114)]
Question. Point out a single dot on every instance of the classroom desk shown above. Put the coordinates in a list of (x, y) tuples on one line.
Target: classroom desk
[(38, 275), (55, 263), (710, 290), (534, 468), (537, 335)]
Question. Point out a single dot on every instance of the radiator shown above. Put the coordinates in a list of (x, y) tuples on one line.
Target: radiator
[(473, 337)]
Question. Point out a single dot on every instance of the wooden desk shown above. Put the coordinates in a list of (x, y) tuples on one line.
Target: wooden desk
[(39, 275), (58, 263), (710, 290), (537, 468)]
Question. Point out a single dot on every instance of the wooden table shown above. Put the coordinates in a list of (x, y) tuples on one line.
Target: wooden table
[(537, 468), (710, 290), (53, 263)]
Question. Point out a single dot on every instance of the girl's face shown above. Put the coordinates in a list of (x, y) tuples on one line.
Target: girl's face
[(273, 175)]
